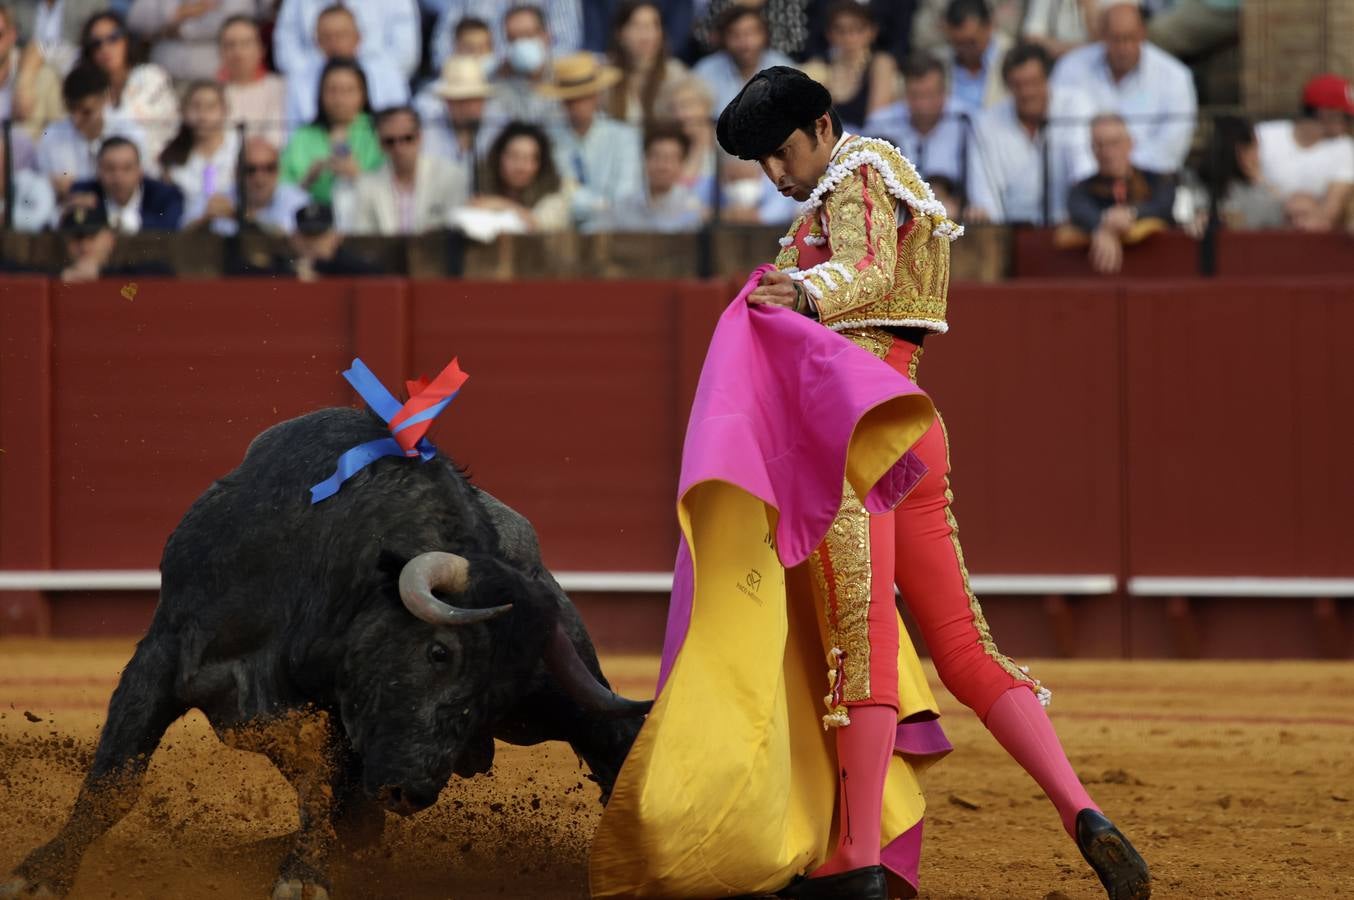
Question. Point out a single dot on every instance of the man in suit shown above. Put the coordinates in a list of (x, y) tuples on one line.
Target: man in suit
[(412, 193), (128, 200)]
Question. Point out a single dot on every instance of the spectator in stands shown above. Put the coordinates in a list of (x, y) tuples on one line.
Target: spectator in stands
[(141, 92), (1231, 173), (892, 18), (183, 33), (745, 37), (318, 247), (524, 182), (54, 28), (390, 29), (473, 37), (1193, 28), (664, 206), (928, 26), (30, 90), (1310, 161), (950, 195), (974, 56), (270, 204), (453, 108), (526, 68), (254, 95), (89, 248), (337, 37), (34, 199), (1021, 164), (202, 158), (1150, 89), (1120, 204), (601, 155), (1059, 25), (688, 102), (861, 80), (341, 142), (70, 147), (787, 23), (921, 125), (412, 193), (640, 53), (129, 201), (564, 26), (748, 197)]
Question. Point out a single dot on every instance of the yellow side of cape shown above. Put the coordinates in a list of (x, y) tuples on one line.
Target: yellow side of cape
[(731, 786)]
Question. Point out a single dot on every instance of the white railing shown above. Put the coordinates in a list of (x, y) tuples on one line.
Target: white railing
[(583, 582)]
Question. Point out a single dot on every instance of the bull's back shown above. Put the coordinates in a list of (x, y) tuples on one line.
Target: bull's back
[(255, 537)]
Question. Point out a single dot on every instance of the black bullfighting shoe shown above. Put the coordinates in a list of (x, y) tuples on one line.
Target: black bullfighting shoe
[(1121, 869), (858, 884)]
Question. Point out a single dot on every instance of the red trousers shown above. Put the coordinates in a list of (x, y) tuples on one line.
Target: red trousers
[(915, 547)]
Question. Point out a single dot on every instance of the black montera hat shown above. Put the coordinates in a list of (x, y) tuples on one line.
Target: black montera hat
[(768, 109)]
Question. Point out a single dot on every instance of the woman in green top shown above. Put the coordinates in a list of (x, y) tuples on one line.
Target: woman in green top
[(341, 142)]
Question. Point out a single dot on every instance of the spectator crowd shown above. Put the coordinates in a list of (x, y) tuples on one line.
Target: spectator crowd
[(397, 117)]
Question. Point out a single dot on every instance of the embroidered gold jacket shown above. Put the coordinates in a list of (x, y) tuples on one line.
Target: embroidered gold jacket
[(864, 268)]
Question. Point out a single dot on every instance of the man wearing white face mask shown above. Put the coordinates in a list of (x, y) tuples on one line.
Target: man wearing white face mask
[(525, 69), (563, 19)]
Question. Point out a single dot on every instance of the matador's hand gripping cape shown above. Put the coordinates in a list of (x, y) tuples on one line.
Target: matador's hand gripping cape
[(731, 786)]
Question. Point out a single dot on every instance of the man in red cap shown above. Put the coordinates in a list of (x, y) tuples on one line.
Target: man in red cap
[(1310, 161)]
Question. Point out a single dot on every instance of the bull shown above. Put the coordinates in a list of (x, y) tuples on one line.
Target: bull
[(370, 646)]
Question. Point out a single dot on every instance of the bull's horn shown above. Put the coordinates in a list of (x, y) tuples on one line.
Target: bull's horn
[(446, 572), (572, 674)]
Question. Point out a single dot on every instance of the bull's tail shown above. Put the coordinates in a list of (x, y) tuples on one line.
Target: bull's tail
[(143, 707)]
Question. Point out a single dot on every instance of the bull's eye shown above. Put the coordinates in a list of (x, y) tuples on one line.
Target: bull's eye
[(438, 653)]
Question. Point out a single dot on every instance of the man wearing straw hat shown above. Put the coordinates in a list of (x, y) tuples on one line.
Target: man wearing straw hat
[(453, 108), (601, 154)]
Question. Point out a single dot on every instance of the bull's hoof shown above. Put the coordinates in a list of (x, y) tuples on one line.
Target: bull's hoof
[(22, 887), (296, 889)]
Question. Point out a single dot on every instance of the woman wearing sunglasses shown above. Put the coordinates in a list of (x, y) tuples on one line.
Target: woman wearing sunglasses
[(141, 92)]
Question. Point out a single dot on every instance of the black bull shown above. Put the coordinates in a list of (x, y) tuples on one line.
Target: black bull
[(312, 634)]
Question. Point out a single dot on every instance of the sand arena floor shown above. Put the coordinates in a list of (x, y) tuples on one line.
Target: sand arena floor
[(1233, 779)]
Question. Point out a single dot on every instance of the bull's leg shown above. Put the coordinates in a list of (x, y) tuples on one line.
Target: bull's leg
[(600, 742), (603, 745), (359, 821), (143, 706), (301, 745)]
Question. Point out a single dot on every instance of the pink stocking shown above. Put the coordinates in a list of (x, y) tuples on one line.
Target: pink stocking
[(1018, 721), (863, 751)]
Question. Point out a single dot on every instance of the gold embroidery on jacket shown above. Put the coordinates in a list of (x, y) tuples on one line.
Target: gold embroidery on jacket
[(907, 283)]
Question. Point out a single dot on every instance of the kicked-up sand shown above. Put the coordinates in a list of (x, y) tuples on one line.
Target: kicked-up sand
[(1233, 780)]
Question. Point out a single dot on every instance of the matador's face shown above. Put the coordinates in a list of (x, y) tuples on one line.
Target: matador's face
[(800, 161)]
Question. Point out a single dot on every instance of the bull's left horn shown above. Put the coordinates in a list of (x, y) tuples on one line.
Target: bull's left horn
[(447, 572), (577, 680)]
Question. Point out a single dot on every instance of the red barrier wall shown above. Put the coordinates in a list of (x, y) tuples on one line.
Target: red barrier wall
[(1239, 429), (1099, 427)]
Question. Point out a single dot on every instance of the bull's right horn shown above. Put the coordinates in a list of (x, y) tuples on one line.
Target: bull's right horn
[(446, 572)]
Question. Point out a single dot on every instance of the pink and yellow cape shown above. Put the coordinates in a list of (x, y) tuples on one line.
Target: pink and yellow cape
[(731, 787)]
